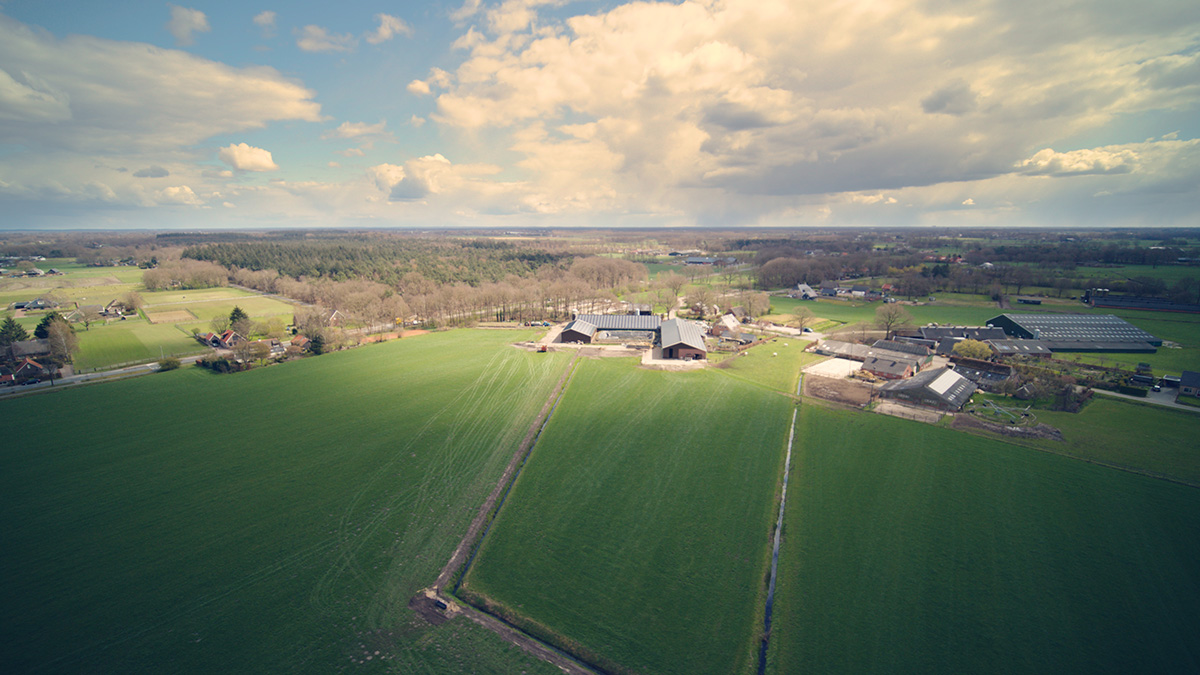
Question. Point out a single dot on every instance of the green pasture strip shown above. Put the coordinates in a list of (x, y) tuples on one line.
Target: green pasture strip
[(1139, 436), (255, 306), (271, 521), (193, 296), (913, 549), (775, 364), (637, 535), (132, 340)]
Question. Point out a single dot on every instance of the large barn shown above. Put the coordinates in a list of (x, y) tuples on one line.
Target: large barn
[(682, 340), (940, 388), (578, 331), (612, 328), (1078, 332)]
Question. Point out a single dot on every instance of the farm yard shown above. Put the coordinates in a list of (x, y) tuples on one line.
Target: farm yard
[(642, 544), (913, 549), (279, 522)]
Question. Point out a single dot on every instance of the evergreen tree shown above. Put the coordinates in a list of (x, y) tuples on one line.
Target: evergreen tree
[(43, 328), (11, 332)]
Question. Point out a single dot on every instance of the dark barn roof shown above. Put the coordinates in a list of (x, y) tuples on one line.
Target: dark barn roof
[(621, 321), (1019, 347), (980, 333), (1189, 378), (889, 366), (906, 347), (942, 384), (1078, 332)]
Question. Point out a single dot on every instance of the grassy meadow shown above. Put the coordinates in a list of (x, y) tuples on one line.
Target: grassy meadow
[(638, 532), (1139, 436), (271, 521), (914, 549), (775, 364)]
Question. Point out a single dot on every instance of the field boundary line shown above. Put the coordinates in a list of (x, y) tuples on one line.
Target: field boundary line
[(486, 511), (436, 606)]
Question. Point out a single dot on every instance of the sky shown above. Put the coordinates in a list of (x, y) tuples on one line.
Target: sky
[(551, 113)]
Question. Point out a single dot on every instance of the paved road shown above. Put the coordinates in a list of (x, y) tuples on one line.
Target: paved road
[(1165, 398), (107, 375)]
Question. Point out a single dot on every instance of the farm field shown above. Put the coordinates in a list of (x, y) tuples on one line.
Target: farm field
[(910, 549), (277, 522), (643, 544), (761, 365), (1140, 436), (103, 346)]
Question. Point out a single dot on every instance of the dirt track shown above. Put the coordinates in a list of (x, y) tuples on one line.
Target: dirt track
[(426, 601)]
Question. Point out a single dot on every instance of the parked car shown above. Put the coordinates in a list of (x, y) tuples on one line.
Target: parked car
[(32, 381)]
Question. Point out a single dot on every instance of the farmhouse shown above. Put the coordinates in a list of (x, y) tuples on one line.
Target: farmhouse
[(940, 388), (682, 339), (1189, 383), (915, 349), (28, 368), (29, 349), (1078, 332)]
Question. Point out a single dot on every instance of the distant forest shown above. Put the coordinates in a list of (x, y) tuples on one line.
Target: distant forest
[(386, 260)]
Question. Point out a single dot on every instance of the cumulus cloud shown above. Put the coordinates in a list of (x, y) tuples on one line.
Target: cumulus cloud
[(359, 130), (245, 157), (418, 87), (152, 172), (968, 202), (179, 194), (682, 107), (184, 22), (1047, 162), (317, 39), (266, 21), (434, 175), (122, 96), (389, 27)]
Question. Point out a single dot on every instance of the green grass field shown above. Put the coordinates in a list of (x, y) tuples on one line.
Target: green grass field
[(271, 521), (638, 531), (103, 346), (775, 364), (913, 549), (1140, 436)]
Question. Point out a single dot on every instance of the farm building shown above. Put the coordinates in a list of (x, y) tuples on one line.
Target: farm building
[(963, 332), (941, 388), (29, 349), (803, 292), (1078, 332), (857, 352), (622, 327), (916, 349), (890, 368), (1100, 297), (1020, 347), (682, 339), (983, 373), (578, 331), (1029, 301), (1189, 383)]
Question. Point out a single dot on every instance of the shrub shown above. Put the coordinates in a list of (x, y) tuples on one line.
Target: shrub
[(169, 363)]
